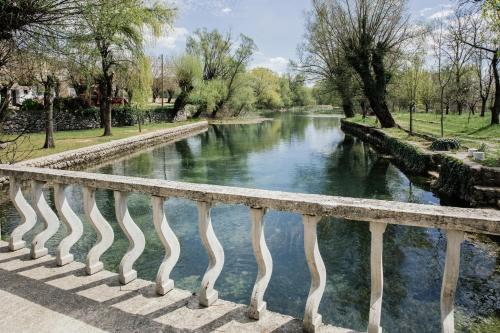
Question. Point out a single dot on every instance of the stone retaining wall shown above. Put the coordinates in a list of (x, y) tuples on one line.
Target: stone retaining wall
[(82, 157), (458, 179)]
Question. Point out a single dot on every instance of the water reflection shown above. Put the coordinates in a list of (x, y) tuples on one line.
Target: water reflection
[(301, 154)]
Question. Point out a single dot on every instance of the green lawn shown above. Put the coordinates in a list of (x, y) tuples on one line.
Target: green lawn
[(68, 140), (472, 133)]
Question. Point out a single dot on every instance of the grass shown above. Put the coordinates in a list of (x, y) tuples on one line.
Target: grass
[(472, 133), (31, 147)]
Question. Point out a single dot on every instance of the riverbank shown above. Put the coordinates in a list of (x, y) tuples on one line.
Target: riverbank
[(456, 177), (83, 157)]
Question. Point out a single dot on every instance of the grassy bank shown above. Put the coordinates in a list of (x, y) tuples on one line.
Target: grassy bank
[(475, 132), (68, 140)]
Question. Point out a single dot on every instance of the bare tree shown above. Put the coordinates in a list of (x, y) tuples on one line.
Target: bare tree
[(475, 32), (444, 75), (368, 31), (460, 54), (322, 59)]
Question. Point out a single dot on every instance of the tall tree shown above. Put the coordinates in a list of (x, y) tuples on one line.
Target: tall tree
[(368, 31), (25, 21), (221, 59), (482, 33), (460, 55), (115, 29), (321, 58), (443, 72), (189, 73)]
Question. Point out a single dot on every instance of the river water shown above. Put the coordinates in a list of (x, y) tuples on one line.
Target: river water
[(299, 153)]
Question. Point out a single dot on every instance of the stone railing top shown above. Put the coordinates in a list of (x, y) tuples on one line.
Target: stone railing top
[(485, 221)]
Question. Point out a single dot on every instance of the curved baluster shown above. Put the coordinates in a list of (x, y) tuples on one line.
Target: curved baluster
[(264, 262), (27, 213), (450, 279), (105, 234), (171, 244), (377, 276), (134, 235), (312, 319), (207, 294), (49, 218), (72, 221)]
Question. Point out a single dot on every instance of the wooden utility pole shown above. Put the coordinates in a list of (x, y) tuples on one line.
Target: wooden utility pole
[(162, 79)]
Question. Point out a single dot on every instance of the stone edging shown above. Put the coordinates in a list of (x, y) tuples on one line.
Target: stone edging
[(101, 152), (464, 180)]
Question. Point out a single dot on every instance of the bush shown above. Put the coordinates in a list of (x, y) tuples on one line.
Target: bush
[(123, 116), (445, 144), (71, 103), (31, 105)]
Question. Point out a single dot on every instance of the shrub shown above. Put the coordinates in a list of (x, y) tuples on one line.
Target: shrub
[(71, 103), (445, 144), (31, 105)]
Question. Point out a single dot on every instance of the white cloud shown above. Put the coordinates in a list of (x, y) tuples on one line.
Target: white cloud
[(168, 41), (444, 13), (226, 10), (276, 64)]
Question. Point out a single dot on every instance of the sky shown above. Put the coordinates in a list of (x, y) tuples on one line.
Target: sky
[(276, 26)]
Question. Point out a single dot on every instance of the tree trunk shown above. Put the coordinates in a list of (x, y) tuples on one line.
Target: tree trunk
[(108, 105), (495, 111), (484, 101), (180, 102), (375, 88), (102, 100), (459, 108), (48, 100), (343, 84)]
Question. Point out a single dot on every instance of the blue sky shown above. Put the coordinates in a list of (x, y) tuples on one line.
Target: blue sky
[(277, 26)]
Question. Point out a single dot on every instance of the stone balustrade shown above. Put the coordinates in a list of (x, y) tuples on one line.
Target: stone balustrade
[(454, 221)]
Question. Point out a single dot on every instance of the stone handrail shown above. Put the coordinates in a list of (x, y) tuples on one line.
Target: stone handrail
[(455, 221)]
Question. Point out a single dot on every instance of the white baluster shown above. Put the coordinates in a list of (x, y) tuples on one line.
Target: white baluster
[(172, 248), (450, 279), (207, 294), (134, 236), (312, 319), (49, 218), (264, 263), (72, 221), (377, 276), (105, 234), (28, 215)]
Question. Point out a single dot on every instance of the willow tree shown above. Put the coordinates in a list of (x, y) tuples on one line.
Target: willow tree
[(223, 59), (115, 30), (322, 59), (368, 31), (26, 21)]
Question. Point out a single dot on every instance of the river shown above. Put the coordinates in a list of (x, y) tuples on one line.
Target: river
[(299, 153)]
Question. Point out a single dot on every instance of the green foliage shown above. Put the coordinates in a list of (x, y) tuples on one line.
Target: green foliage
[(140, 82), (412, 158), (188, 71), (243, 98), (483, 147), (31, 105), (208, 94), (445, 144), (266, 88), (454, 177)]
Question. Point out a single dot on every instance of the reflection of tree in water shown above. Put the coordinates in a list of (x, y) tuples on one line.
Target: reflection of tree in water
[(225, 149), (188, 160)]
